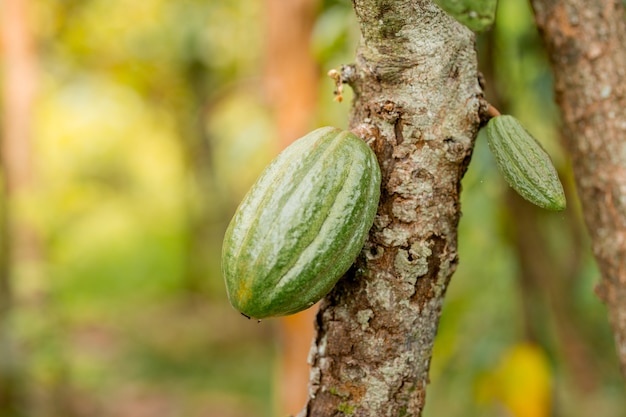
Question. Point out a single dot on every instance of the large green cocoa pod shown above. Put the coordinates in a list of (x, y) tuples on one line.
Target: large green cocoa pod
[(524, 163), (301, 225)]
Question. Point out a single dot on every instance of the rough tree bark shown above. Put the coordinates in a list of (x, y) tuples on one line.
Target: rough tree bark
[(586, 42), (418, 104)]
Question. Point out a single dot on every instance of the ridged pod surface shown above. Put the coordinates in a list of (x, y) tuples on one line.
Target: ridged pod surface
[(524, 163), (301, 225)]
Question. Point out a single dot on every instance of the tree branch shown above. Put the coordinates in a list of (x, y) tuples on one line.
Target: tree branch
[(418, 104), (586, 41)]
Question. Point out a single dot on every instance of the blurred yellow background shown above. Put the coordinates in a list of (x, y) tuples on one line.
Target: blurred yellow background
[(147, 123)]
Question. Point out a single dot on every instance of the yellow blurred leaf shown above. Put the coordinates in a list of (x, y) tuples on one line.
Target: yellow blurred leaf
[(521, 382)]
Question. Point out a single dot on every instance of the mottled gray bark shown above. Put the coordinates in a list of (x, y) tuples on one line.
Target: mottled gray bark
[(586, 42), (418, 104)]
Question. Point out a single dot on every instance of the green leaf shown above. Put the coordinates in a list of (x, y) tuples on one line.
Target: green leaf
[(477, 15)]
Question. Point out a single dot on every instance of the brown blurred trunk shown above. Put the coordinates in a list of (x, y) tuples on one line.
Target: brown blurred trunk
[(291, 74), (586, 42), (202, 204), (19, 79), (202, 207), (19, 92), (291, 81)]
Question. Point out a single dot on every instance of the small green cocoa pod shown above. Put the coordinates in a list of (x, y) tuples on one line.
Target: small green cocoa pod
[(524, 163), (301, 225)]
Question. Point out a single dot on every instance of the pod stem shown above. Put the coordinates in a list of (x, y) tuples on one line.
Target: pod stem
[(492, 111)]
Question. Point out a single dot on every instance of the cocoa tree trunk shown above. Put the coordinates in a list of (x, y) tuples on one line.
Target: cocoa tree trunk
[(586, 42), (418, 104)]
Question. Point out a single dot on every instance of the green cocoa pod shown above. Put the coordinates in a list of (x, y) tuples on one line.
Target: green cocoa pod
[(301, 225), (524, 163)]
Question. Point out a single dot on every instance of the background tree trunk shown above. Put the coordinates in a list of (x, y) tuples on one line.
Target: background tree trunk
[(291, 82), (197, 149), (586, 42), (418, 104), (17, 240)]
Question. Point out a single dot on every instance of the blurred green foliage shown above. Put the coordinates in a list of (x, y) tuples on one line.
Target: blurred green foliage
[(478, 15), (104, 325)]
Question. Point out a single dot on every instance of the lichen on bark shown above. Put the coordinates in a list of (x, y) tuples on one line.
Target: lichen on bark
[(417, 104)]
